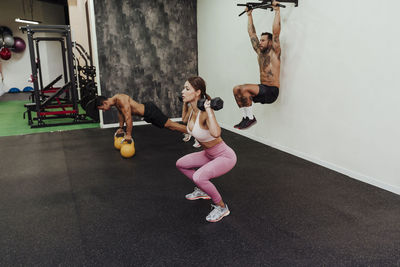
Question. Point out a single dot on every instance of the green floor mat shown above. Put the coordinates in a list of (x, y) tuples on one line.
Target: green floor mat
[(12, 122)]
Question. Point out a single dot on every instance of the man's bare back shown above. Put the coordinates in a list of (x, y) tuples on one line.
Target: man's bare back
[(124, 102)]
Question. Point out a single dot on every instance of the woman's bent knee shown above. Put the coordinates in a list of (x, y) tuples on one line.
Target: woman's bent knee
[(180, 164), (201, 176)]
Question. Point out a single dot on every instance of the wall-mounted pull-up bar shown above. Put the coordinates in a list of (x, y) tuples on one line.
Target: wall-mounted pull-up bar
[(266, 4)]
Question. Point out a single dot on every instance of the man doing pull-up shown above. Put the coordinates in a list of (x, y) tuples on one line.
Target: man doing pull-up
[(268, 50)]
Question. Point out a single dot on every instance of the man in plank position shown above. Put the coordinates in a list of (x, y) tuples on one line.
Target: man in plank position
[(126, 106)]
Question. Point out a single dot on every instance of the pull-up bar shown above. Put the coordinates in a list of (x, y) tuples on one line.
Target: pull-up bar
[(266, 4)]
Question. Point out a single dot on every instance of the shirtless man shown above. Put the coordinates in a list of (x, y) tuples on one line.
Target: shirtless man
[(126, 106), (268, 50)]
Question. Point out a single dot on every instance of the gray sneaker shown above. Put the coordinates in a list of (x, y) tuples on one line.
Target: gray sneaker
[(217, 213), (186, 137), (197, 194)]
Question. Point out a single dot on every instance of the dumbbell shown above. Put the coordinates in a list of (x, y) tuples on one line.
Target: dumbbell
[(216, 104)]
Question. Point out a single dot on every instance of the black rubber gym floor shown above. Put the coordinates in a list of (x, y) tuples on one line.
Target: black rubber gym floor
[(69, 199)]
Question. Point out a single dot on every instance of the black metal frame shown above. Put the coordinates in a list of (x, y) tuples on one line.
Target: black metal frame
[(39, 106), (266, 4), (85, 77), (63, 50)]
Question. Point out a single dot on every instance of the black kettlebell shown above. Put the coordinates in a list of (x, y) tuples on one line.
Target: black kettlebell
[(216, 104)]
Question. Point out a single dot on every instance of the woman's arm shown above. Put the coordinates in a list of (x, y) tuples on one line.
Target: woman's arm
[(211, 121)]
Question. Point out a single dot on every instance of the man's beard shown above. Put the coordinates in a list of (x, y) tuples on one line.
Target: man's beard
[(266, 49)]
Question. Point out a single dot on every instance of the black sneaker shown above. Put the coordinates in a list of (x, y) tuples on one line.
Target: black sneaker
[(240, 124), (248, 123)]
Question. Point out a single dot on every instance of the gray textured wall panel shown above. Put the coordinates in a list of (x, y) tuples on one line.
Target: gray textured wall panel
[(147, 49)]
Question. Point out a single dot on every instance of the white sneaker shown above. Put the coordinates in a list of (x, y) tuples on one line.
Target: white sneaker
[(196, 144), (197, 194), (186, 137), (217, 213)]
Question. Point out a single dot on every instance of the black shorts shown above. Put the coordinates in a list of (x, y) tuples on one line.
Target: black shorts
[(267, 95), (154, 115)]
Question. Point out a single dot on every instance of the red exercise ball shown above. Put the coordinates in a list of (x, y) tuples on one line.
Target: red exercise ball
[(5, 53), (19, 45)]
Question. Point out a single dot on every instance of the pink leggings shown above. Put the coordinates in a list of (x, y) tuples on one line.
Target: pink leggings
[(210, 163)]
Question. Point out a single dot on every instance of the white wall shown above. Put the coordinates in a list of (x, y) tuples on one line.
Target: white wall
[(339, 103), (77, 18), (17, 70)]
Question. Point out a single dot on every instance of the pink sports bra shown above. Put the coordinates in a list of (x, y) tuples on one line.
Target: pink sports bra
[(200, 134)]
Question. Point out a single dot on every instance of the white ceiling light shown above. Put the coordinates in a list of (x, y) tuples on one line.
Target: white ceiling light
[(27, 21)]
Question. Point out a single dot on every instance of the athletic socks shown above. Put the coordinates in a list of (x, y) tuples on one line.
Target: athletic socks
[(243, 109), (248, 118), (249, 112)]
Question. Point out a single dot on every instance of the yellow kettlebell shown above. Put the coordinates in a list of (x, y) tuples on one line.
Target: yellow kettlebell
[(127, 148), (118, 138)]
